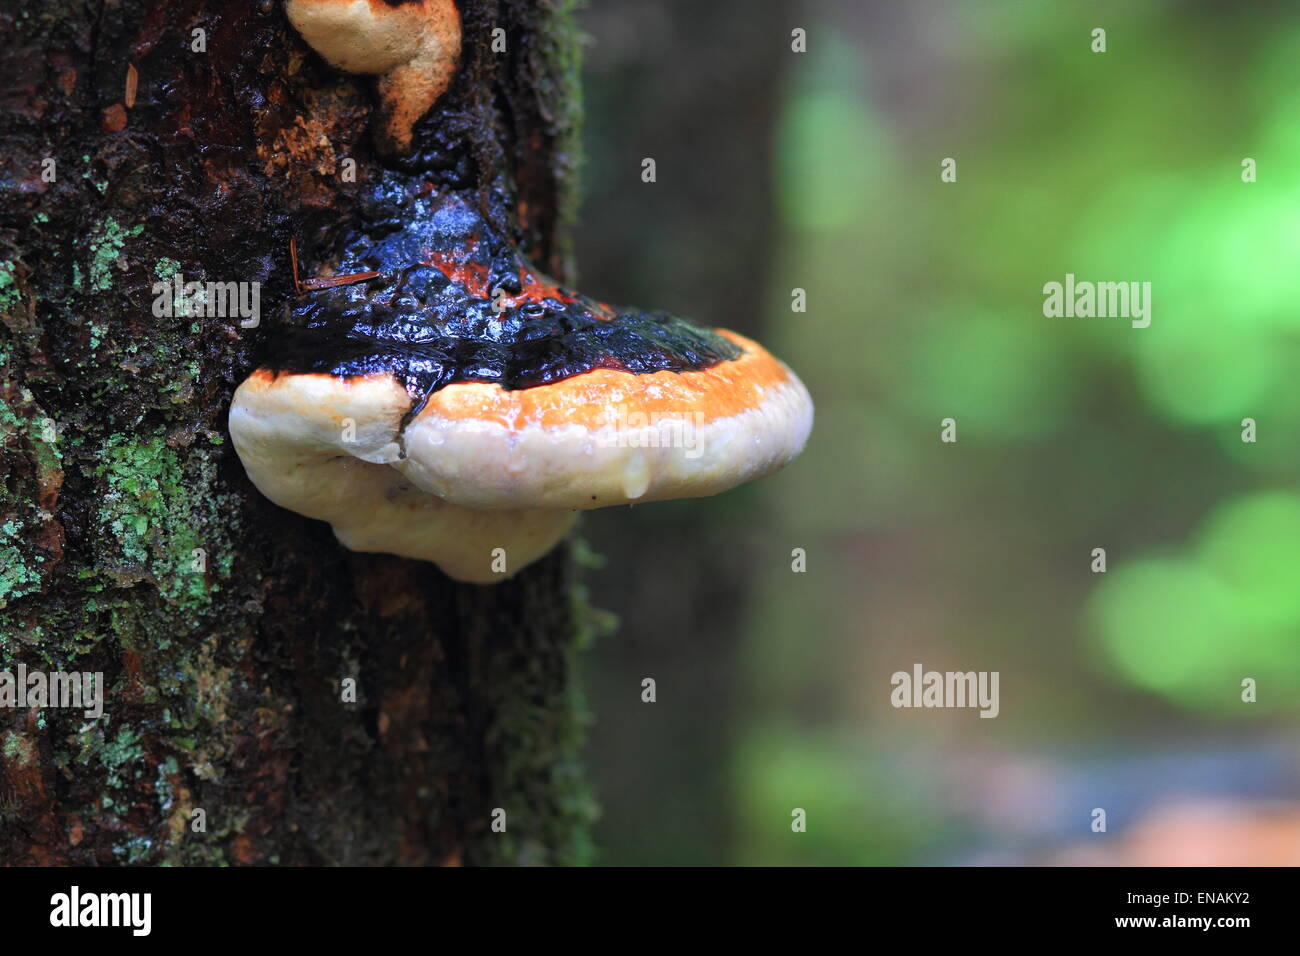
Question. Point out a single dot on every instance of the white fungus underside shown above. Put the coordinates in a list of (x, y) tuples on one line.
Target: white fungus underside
[(451, 491)]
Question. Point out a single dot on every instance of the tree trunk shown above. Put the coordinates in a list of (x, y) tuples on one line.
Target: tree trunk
[(132, 544)]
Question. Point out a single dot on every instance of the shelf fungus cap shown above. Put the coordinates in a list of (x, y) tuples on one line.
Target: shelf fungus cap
[(413, 46), (609, 436), (461, 408)]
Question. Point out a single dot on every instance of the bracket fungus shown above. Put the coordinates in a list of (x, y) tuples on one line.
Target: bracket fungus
[(441, 398), (460, 401), (412, 46)]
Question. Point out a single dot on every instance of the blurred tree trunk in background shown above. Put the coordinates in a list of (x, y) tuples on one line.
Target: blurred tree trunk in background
[(696, 87), (130, 541)]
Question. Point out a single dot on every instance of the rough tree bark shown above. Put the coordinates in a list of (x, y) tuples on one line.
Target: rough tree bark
[(223, 684)]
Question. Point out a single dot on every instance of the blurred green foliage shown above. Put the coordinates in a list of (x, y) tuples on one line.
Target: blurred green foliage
[(925, 302), (1229, 605)]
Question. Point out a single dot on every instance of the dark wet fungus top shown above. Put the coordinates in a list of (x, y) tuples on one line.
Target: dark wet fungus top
[(455, 302)]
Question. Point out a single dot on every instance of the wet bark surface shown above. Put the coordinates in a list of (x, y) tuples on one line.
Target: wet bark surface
[(131, 543)]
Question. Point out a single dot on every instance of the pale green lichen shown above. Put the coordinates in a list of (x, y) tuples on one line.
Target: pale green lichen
[(100, 184), (19, 570), (148, 507), (9, 294), (165, 268), (106, 245), (18, 749), (124, 758), (17, 575), (125, 762)]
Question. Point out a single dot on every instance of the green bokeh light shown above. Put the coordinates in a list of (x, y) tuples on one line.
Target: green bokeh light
[(996, 375), (829, 146), (823, 155), (1171, 626), (1192, 627), (1253, 544), (1278, 416), (1199, 369), (877, 819)]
